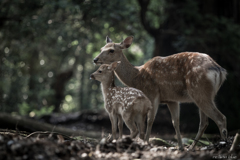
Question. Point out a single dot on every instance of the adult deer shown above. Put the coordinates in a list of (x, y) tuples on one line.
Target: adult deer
[(183, 77)]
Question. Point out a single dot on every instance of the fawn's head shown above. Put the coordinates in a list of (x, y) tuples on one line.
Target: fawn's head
[(112, 52), (105, 72)]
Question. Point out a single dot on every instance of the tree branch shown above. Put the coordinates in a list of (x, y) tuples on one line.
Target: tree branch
[(144, 7), (235, 143)]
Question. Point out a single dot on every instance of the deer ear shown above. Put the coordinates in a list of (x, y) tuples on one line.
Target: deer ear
[(127, 42), (108, 40), (114, 65)]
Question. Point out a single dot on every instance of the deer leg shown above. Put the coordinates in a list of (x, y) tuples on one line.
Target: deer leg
[(150, 119), (113, 119), (141, 125), (174, 110), (209, 108), (130, 123), (120, 126), (202, 127)]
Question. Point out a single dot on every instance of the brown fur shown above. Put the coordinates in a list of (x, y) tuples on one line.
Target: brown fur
[(183, 77), (127, 104)]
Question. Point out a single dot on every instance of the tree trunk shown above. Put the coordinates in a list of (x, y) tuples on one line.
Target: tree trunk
[(33, 125), (33, 82), (163, 45), (166, 33), (14, 96), (1, 82), (82, 83), (59, 87)]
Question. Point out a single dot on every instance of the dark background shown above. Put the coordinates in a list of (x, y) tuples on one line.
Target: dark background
[(47, 48)]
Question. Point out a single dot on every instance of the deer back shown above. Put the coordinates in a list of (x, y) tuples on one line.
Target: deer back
[(175, 76), (123, 96)]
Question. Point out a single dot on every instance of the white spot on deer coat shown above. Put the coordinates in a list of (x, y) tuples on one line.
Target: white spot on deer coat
[(159, 61)]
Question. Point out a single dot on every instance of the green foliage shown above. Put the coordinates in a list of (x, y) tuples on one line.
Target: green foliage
[(47, 38), (26, 110), (43, 111), (188, 141), (156, 13), (160, 142)]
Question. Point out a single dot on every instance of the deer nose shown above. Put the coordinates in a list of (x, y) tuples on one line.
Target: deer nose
[(92, 76), (95, 60)]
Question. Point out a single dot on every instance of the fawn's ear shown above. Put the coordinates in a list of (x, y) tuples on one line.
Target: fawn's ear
[(108, 40), (114, 65), (127, 42)]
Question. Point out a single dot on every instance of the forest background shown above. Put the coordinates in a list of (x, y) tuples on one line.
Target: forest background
[(47, 48)]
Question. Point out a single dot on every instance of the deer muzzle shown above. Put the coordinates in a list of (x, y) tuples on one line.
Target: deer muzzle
[(95, 60), (92, 76)]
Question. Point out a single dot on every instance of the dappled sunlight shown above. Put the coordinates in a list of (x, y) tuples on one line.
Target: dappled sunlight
[(68, 98), (50, 74), (42, 62)]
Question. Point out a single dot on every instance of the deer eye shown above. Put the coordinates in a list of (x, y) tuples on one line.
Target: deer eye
[(100, 71), (111, 51)]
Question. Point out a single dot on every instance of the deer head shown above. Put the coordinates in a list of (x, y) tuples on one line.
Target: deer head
[(104, 72), (112, 52)]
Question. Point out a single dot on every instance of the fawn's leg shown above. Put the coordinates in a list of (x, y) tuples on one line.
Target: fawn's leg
[(113, 119), (150, 118), (130, 123), (141, 125), (174, 110), (120, 126), (202, 127)]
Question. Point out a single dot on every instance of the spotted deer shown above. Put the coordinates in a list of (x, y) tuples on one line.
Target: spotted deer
[(123, 103), (183, 77)]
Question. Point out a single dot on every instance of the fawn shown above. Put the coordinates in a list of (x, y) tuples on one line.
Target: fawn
[(123, 103), (183, 77)]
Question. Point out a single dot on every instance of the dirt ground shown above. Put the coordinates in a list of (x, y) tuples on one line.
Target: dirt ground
[(40, 145), (54, 146)]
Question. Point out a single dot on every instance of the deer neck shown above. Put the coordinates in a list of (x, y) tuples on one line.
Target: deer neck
[(126, 72), (108, 85)]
